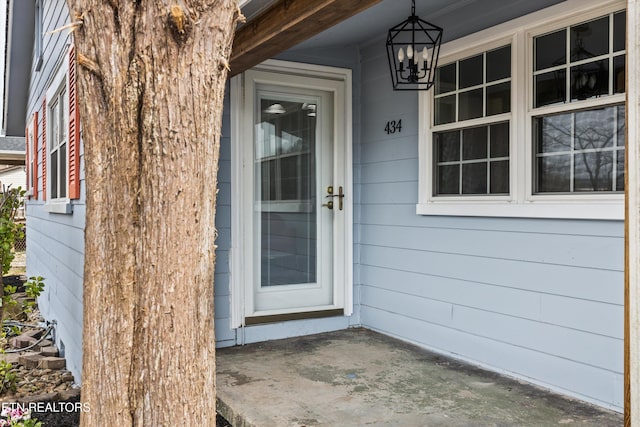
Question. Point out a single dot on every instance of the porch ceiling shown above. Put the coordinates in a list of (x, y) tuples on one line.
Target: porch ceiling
[(285, 24), (342, 23)]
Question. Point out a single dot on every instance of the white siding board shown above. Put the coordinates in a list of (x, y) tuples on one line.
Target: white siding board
[(382, 151), (61, 235), (583, 381), (389, 171), (423, 309), (590, 349), (223, 215), (589, 284), (596, 317), (223, 331), (222, 306), (224, 193), (390, 193), (405, 214), (547, 338), (498, 299), (570, 250), (225, 343), (224, 335), (222, 260), (13, 178), (62, 297)]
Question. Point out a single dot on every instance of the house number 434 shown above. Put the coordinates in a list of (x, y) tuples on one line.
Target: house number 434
[(393, 127)]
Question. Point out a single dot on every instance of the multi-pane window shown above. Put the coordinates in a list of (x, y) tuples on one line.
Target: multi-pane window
[(534, 126), (580, 62), (58, 119), (472, 160), (31, 136), (580, 149)]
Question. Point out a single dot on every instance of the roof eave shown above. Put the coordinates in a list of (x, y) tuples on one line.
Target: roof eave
[(20, 23)]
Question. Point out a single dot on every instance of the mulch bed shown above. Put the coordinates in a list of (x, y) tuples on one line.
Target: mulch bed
[(61, 418), (72, 418)]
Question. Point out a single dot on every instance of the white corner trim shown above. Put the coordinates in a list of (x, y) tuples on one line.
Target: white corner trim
[(633, 213), (237, 276)]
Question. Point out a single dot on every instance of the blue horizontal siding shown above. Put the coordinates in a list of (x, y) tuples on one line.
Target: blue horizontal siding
[(581, 380), (540, 299), (555, 249)]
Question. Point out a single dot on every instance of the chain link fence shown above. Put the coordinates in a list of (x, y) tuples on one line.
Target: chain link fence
[(20, 244)]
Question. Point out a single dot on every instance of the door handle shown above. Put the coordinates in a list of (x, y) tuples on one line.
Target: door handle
[(340, 197)]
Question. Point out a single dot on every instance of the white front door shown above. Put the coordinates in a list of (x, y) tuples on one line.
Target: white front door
[(295, 199)]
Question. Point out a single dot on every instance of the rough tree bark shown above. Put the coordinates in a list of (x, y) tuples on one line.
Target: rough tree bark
[(151, 86)]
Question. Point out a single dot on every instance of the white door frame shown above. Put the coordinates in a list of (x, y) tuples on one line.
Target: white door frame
[(343, 264)]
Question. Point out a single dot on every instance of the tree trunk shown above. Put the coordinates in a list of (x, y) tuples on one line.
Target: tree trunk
[(152, 77)]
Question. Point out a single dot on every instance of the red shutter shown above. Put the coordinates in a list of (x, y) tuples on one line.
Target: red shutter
[(33, 159), (74, 130), (44, 149), (27, 160)]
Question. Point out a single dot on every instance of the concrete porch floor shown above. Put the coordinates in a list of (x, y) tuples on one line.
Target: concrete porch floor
[(358, 377)]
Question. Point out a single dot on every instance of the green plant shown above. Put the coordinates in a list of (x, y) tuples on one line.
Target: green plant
[(8, 378), (17, 417), (7, 299), (33, 288), (11, 199)]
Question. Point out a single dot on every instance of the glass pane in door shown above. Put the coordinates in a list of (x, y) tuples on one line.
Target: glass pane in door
[(285, 203)]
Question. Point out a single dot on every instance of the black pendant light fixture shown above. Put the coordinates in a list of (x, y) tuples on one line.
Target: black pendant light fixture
[(413, 47)]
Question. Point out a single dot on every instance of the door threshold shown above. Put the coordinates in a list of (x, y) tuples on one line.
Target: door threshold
[(275, 318)]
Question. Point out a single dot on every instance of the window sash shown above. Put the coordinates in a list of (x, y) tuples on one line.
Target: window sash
[(464, 163), (592, 157), (565, 68), (522, 200), (58, 135), (467, 90)]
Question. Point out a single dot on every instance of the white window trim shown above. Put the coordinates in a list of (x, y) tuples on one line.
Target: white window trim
[(29, 162), (521, 202), (61, 205)]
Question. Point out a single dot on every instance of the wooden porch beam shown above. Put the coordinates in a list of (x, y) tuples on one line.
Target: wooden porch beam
[(284, 25)]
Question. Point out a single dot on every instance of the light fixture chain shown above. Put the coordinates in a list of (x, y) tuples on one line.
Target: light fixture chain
[(413, 7)]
